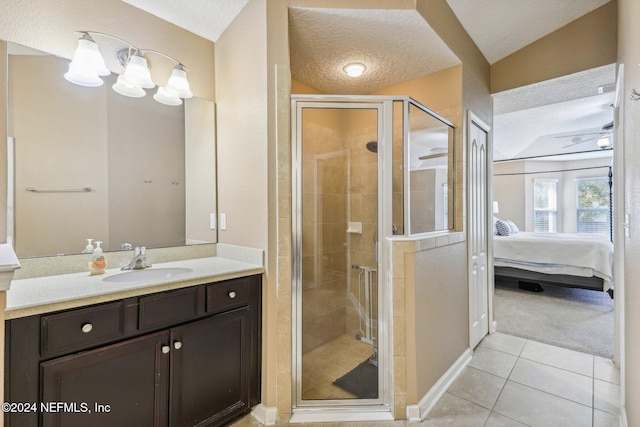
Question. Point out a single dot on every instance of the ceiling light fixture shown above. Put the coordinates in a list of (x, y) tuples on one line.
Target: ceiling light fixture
[(354, 69), (87, 66), (603, 143)]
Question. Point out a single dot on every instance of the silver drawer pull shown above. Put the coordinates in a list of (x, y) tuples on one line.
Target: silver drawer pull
[(177, 345), (232, 294), (87, 327), (165, 349)]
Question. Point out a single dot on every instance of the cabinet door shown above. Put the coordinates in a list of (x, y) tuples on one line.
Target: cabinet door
[(210, 369), (128, 379)]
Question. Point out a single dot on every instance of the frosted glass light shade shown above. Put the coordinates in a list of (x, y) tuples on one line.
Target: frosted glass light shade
[(123, 88), (355, 69), (167, 96), (137, 72), (87, 64), (80, 76), (179, 83)]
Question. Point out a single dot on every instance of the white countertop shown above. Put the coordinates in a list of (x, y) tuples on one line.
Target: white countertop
[(45, 294)]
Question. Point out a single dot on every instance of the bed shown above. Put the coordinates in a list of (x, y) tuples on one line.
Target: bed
[(562, 259)]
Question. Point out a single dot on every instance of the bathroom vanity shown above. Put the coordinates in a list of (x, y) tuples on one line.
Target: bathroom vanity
[(185, 356)]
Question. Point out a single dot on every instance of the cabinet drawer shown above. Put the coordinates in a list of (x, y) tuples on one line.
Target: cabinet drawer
[(81, 328), (167, 308), (229, 294)]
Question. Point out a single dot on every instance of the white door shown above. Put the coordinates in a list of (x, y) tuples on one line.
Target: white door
[(478, 230)]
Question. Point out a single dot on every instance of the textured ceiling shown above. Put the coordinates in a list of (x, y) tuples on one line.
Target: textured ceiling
[(398, 45), (553, 117), (394, 45), (206, 18), (501, 27)]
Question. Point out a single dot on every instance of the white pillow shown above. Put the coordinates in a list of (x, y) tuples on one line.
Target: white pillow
[(512, 226)]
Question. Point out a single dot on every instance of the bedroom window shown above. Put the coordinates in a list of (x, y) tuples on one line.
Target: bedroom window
[(592, 205), (545, 205)]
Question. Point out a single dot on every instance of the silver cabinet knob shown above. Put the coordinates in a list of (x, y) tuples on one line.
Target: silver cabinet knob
[(165, 349), (177, 345), (87, 327), (232, 294)]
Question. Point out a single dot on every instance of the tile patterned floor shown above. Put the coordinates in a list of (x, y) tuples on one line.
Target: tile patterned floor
[(514, 382), (323, 365)]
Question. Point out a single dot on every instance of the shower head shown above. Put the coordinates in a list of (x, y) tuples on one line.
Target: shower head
[(372, 146)]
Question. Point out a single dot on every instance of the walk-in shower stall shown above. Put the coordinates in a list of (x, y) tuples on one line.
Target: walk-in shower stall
[(365, 169)]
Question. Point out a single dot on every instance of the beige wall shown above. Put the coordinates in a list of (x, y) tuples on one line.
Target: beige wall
[(629, 55), (145, 158), (241, 98), (441, 309), (45, 124), (200, 169), (30, 24), (510, 192), (587, 42), (70, 136), (51, 27)]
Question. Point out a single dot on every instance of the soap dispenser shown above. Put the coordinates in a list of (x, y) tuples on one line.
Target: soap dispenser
[(89, 248), (98, 262)]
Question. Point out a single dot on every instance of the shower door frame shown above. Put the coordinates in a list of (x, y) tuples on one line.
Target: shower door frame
[(325, 410)]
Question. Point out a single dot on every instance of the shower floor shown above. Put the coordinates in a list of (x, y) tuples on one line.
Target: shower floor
[(323, 365)]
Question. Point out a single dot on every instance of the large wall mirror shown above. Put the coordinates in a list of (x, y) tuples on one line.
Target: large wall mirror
[(88, 163)]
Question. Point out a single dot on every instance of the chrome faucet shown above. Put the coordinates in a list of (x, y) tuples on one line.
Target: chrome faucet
[(139, 260)]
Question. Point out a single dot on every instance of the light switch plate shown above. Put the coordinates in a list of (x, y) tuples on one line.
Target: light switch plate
[(212, 221), (223, 221)]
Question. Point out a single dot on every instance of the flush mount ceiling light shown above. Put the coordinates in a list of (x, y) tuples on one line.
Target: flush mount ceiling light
[(354, 69), (603, 143), (88, 66)]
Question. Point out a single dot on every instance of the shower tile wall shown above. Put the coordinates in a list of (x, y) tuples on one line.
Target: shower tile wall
[(363, 208), (324, 260), (339, 185)]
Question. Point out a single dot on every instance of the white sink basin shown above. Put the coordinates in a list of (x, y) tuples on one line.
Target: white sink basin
[(147, 274)]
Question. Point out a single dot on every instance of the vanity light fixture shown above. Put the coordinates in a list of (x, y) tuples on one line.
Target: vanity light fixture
[(354, 69), (88, 66)]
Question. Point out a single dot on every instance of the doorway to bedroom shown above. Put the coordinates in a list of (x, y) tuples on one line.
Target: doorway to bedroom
[(554, 178)]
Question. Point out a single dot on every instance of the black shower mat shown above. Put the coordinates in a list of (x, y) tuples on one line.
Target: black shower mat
[(361, 381)]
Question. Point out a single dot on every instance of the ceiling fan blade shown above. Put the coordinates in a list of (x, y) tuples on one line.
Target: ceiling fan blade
[(580, 134), (581, 142)]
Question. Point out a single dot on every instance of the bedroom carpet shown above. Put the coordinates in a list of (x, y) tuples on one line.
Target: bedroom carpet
[(577, 319)]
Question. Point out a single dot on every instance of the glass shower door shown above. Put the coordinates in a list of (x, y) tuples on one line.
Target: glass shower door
[(337, 326)]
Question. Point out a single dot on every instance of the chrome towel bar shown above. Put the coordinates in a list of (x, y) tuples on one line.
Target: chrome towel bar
[(60, 190)]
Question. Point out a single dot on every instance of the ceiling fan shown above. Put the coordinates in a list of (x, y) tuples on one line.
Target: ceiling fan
[(576, 138)]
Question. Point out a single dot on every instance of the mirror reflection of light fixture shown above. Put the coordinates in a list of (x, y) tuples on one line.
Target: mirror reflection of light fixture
[(88, 66), (355, 69), (603, 143)]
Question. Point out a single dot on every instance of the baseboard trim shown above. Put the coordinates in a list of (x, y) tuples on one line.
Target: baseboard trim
[(623, 417), (266, 415), (417, 413), (339, 415), (494, 327)]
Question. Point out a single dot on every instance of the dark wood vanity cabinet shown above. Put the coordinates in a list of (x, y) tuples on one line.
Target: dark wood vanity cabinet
[(189, 357)]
